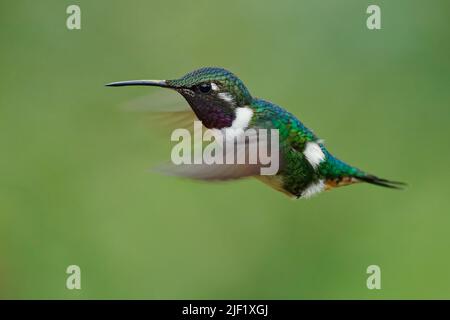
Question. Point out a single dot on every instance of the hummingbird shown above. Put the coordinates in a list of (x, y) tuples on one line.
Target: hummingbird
[(220, 100)]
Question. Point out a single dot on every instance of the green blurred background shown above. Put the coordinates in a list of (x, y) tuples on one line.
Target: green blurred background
[(75, 186)]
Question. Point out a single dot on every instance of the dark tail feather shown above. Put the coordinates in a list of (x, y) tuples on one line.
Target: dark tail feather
[(381, 182), (339, 173)]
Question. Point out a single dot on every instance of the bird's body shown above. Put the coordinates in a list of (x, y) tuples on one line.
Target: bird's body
[(307, 167), (221, 101)]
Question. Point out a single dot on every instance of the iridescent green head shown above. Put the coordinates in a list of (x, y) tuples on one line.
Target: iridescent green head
[(213, 93), (214, 81)]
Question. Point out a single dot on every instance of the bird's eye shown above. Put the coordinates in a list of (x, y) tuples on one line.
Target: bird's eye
[(205, 87)]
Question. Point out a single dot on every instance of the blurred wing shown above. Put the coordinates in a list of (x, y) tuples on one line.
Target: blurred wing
[(158, 101), (217, 172), (212, 172), (165, 109)]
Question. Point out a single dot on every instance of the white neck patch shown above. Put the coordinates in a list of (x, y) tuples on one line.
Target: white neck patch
[(243, 117)]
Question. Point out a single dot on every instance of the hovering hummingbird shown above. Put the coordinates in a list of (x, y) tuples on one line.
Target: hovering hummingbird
[(220, 100)]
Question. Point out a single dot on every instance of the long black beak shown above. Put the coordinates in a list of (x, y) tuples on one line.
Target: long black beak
[(153, 83)]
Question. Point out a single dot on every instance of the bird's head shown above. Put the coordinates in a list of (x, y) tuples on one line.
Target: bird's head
[(214, 94)]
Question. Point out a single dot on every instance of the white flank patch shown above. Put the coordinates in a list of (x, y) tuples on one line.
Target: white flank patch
[(214, 86), (313, 189), (226, 97), (314, 154)]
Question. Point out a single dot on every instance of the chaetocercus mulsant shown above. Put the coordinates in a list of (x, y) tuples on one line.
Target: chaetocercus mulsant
[(221, 100)]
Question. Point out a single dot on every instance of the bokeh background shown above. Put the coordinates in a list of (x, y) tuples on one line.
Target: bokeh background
[(74, 181)]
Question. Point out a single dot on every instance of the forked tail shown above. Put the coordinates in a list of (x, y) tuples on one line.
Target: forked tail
[(337, 173)]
